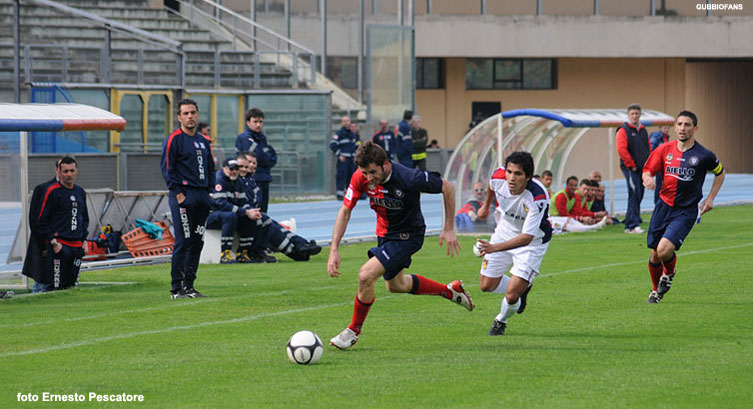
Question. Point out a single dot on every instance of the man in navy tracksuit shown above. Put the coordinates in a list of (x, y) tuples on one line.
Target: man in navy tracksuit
[(232, 212), (253, 140), (273, 234), (344, 144), (385, 138), (404, 147), (63, 220), (188, 170), (633, 148)]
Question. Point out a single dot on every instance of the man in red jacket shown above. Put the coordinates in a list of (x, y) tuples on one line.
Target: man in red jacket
[(633, 148)]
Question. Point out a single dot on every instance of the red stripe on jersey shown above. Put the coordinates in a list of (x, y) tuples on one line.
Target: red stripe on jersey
[(169, 142), (358, 183), (46, 195), (668, 192), (539, 197), (499, 174)]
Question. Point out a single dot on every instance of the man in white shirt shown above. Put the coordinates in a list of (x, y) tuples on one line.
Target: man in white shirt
[(520, 239)]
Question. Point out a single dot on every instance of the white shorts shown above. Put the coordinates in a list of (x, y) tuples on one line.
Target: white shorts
[(525, 262)]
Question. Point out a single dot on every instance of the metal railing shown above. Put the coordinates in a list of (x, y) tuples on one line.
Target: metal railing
[(241, 29)]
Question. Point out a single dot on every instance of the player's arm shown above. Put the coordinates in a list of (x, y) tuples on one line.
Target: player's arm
[(341, 223), (448, 231), (651, 168), (483, 212), (622, 150), (708, 203)]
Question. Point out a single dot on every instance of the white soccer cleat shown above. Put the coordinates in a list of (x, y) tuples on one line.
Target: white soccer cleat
[(459, 295), (344, 340)]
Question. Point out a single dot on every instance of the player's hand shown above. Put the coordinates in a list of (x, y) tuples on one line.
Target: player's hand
[(333, 264), (453, 246), (84, 247), (587, 220), (342, 158), (649, 183), (56, 246), (180, 197), (483, 213), (706, 205), (485, 247)]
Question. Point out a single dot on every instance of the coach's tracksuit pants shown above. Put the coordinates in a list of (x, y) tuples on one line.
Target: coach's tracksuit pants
[(189, 220), (635, 196)]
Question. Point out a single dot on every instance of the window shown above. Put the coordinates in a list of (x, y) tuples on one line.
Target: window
[(510, 73), (343, 71), (429, 73)]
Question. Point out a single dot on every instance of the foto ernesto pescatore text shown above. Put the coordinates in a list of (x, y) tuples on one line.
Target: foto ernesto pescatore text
[(78, 397)]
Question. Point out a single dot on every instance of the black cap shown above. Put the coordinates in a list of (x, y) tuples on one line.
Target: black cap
[(230, 163)]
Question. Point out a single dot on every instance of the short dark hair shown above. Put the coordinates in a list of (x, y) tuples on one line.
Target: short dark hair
[(547, 173), (523, 159), (254, 113), (634, 106), (575, 178), (202, 125), (689, 115), (408, 115), (369, 153), (587, 182), (187, 101), (66, 160), (249, 153)]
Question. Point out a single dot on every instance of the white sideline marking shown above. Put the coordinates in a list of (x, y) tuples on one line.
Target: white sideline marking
[(168, 304), (625, 263)]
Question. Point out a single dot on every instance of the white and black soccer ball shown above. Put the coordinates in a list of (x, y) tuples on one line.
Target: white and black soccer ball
[(477, 248), (305, 348)]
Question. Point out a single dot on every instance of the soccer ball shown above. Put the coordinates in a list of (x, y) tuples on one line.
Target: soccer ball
[(305, 347), (477, 248)]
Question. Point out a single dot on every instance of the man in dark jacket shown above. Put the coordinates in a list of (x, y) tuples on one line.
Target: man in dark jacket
[(633, 148), (404, 147), (253, 140), (344, 144), (36, 253)]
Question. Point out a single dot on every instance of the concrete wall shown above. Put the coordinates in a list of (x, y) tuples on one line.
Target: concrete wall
[(655, 83)]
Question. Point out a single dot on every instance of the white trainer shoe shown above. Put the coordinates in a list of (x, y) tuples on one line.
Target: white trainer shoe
[(459, 295), (344, 340)]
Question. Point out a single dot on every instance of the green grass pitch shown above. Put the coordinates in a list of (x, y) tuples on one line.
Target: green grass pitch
[(587, 340)]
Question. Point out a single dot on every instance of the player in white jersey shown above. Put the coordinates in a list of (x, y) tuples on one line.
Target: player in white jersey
[(520, 239)]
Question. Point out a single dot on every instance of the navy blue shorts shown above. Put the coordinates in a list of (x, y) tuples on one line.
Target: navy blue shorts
[(674, 223), (395, 255)]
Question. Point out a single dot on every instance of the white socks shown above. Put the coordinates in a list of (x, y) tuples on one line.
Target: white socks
[(507, 310), (502, 285)]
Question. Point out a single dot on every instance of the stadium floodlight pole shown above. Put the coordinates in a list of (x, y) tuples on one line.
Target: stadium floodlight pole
[(323, 13), (500, 123), (373, 7), (483, 7), (400, 18), (252, 10), (16, 56)]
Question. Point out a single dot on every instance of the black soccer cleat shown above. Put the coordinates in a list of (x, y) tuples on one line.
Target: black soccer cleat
[(498, 328), (654, 297), (192, 293), (177, 294), (524, 299), (665, 283)]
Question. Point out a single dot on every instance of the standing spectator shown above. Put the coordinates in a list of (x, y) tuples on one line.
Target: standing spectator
[(63, 220), (546, 180), (395, 195), (344, 144), (35, 265), (633, 148), (657, 138), (188, 170), (404, 147), (420, 139), (232, 213), (676, 212), (253, 140), (386, 139), (520, 239)]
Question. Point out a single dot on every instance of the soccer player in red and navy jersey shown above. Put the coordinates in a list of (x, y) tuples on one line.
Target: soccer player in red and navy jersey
[(394, 192), (683, 165)]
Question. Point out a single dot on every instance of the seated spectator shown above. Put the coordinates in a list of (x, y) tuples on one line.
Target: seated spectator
[(232, 212), (466, 217), (434, 144), (274, 234), (586, 196), (546, 180), (568, 224), (598, 203), (567, 203)]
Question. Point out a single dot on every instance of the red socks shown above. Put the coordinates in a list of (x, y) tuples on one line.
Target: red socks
[(360, 311), (669, 265), (425, 286), (655, 270)]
